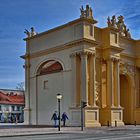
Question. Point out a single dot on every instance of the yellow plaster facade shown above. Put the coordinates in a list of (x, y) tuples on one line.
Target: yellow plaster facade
[(100, 66)]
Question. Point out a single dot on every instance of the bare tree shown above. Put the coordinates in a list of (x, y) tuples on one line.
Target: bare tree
[(21, 86)]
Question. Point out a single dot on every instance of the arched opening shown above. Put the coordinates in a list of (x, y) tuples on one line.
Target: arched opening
[(125, 98)]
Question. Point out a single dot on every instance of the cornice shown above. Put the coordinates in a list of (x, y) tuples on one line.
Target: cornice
[(110, 29), (62, 47), (113, 47), (128, 56), (62, 26)]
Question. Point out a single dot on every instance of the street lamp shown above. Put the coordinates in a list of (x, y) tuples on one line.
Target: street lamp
[(83, 105), (59, 97)]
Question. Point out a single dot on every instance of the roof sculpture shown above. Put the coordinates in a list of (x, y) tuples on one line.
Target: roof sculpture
[(119, 24), (87, 13)]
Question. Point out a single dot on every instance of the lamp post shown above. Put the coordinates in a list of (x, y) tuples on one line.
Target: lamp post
[(59, 97), (83, 105)]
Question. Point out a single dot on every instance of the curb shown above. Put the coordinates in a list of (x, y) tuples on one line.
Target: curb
[(33, 134)]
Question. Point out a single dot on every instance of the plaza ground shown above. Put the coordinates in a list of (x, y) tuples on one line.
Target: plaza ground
[(24, 132)]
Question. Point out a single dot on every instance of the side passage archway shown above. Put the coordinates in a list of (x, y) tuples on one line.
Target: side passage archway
[(125, 98), (49, 82)]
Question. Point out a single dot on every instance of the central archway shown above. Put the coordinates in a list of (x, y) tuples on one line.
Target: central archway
[(126, 98)]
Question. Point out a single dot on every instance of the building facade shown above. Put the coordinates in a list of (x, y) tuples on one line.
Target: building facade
[(11, 106), (83, 62)]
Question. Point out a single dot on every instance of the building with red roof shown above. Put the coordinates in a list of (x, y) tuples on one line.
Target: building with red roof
[(11, 105)]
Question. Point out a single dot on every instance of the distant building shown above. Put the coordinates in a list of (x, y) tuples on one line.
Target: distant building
[(11, 106)]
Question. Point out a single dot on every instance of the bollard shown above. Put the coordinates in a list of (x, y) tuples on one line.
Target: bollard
[(108, 123), (115, 123), (135, 123)]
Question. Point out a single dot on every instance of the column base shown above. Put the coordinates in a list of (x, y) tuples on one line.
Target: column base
[(112, 116), (27, 116), (92, 117)]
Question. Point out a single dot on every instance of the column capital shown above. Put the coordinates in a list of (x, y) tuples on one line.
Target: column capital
[(86, 52), (83, 53), (113, 59), (73, 54)]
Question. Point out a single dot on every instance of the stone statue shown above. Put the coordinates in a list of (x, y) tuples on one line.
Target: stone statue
[(87, 13), (33, 31), (91, 13), (113, 21), (82, 12), (30, 34), (27, 33), (120, 19), (123, 31), (108, 22), (128, 35), (121, 25)]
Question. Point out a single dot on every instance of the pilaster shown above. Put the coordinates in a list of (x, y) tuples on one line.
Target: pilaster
[(74, 79), (27, 109)]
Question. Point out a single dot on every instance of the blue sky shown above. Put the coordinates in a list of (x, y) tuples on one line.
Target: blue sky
[(16, 15)]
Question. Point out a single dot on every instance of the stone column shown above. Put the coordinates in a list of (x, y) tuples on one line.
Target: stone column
[(84, 80), (110, 83)]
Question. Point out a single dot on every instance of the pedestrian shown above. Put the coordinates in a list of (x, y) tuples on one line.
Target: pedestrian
[(64, 118), (55, 118)]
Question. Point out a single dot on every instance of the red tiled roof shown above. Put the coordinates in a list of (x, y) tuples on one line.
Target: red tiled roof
[(11, 99)]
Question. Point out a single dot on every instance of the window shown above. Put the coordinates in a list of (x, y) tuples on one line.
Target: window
[(46, 84), (13, 108), (18, 108)]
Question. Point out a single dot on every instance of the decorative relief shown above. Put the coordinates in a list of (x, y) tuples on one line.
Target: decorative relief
[(126, 68), (97, 92), (120, 25)]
